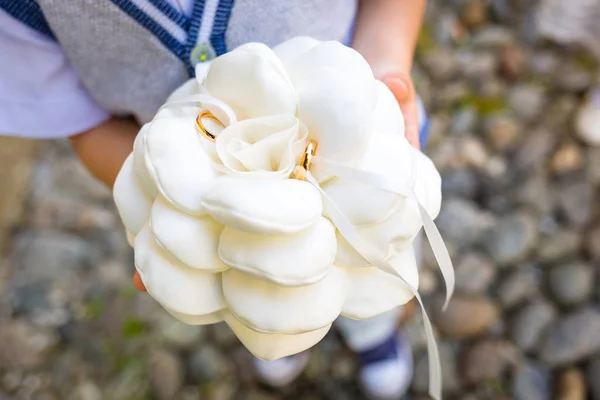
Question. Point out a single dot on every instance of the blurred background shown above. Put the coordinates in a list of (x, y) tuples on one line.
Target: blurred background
[(509, 87)]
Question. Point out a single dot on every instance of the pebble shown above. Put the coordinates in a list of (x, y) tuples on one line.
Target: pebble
[(535, 192), (464, 121), (49, 254), (531, 322), (474, 13), (25, 346), (532, 382), (166, 374), (573, 338), (519, 286), (466, 317), (571, 385), (86, 391), (474, 273), (502, 131), (576, 200), (513, 60), (462, 222), (493, 36), (512, 239), (572, 284), (558, 245), (593, 378), (527, 101), (567, 159), (488, 360), (592, 166), (587, 119), (180, 335), (208, 364), (460, 182), (593, 242), (440, 63), (450, 374), (534, 151)]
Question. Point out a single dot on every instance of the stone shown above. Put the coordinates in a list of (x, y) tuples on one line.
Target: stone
[(223, 335), (527, 101), (86, 391), (534, 151), (131, 383), (493, 37), (49, 254), (571, 385), (208, 364), (560, 244), (462, 222), (535, 192), (464, 121), (532, 382), (576, 200), (593, 378), (567, 159), (572, 284), (587, 119), (474, 153), (476, 65), (572, 339), (16, 169), (440, 63), (488, 360), (474, 273), (166, 374), (466, 317), (450, 374), (593, 242), (180, 335), (474, 13), (460, 182), (592, 166), (559, 115), (25, 346), (344, 367), (513, 61), (502, 131), (519, 286), (530, 323), (512, 239)]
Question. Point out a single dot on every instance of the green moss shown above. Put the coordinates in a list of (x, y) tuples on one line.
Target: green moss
[(133, 327)]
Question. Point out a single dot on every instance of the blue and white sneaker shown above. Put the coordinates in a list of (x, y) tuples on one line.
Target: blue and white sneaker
[(279, 373), (386, 370)]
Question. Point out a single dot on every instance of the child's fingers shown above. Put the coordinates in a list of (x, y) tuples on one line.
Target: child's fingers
[(404, 92), (137, 282), (411, 124)]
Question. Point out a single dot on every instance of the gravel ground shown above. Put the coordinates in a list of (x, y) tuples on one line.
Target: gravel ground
[(520, 216)]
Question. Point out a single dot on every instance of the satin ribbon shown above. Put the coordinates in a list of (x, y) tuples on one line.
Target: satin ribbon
[(372, 254), (364, 247)]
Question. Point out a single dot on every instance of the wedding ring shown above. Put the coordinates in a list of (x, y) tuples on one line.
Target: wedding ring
[(202, 129), (301, 170), (309, 152)]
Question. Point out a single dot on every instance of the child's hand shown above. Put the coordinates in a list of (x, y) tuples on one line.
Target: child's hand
[(403, 89)]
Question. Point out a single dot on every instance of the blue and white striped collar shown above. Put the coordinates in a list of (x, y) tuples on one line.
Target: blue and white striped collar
[(177, 32)]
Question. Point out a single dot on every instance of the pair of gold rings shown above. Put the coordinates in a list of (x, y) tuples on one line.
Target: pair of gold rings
[(299, 172)]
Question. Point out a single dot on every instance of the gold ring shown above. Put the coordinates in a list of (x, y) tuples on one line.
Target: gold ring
[(301, 170), (309, 152), (203, 131)]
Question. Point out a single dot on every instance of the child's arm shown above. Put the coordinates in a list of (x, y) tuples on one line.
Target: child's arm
[(104, 148), (386, 35)]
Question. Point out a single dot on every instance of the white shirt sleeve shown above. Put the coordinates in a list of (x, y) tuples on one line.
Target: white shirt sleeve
[(41, 95)]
